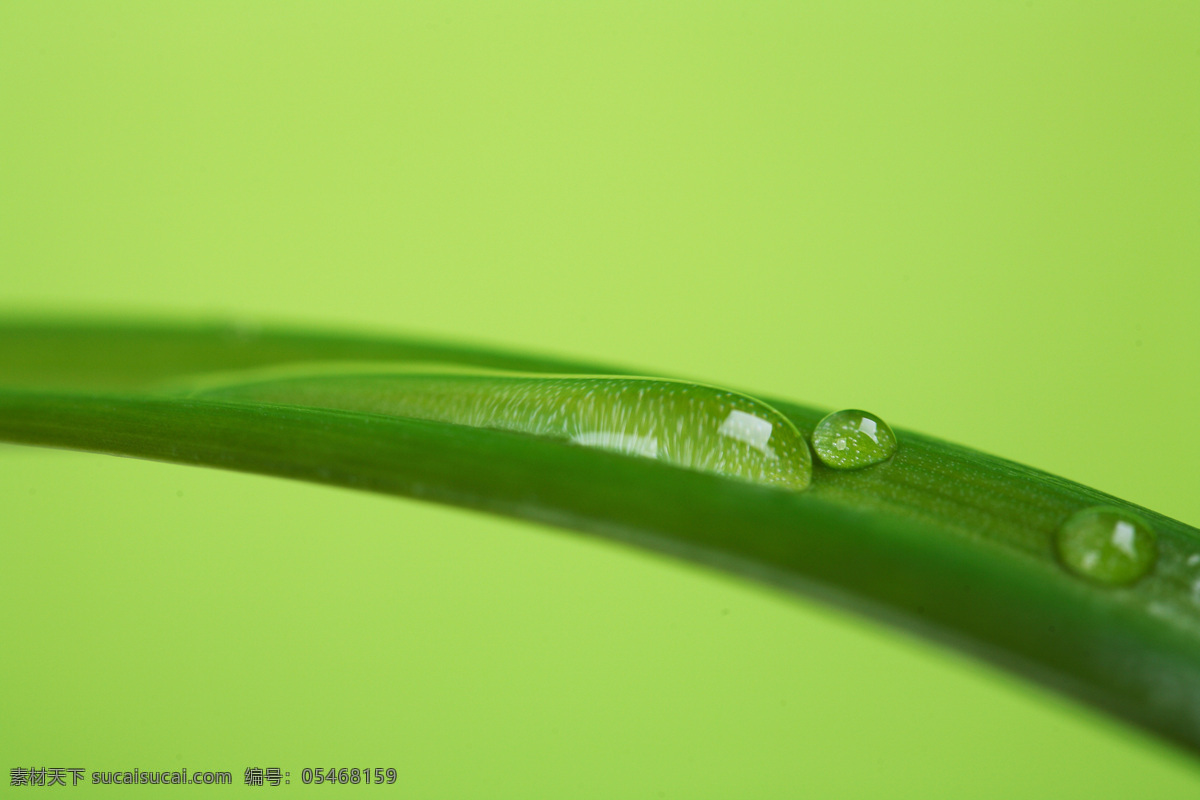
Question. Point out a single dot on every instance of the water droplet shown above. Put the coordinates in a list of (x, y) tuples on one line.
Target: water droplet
[(853, 439), (682, 424), (1107, 545)]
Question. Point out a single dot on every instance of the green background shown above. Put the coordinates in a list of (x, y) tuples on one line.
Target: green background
[(978, 220)]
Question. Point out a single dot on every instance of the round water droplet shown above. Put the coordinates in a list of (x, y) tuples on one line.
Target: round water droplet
[(1107, 545), (853, 439)]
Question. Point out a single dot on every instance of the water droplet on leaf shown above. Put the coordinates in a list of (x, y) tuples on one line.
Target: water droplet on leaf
[(1107, 545), (852, 439), (687, 425)]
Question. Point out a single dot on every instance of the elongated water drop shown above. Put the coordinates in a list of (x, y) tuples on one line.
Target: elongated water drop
[(852, 439), (683, 424), (1107, 545)]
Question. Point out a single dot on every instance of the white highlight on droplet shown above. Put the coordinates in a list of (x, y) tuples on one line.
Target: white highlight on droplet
[(869, 427), (754, 431), (628, 443), (1122, 538)]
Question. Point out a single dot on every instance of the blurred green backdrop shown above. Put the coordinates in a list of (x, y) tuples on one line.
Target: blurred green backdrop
[(979, 220)]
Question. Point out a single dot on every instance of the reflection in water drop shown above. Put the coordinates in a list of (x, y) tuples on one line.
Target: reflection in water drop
[(852, 439), (683, 424), (754, 431), (1107, 545)]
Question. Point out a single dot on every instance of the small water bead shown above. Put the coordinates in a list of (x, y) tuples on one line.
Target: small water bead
[(1107, 545), (852, 439)]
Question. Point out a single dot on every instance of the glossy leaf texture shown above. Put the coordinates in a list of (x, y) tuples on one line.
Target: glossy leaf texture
[(940, 540)]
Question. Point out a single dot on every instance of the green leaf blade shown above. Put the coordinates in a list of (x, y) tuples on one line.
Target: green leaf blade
[(940, 540)]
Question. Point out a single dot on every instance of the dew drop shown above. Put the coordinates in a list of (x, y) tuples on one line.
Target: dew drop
[(1107, 545), (852, 439), (686, 425)]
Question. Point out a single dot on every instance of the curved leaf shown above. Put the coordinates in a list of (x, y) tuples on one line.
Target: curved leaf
[(941, 540)]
